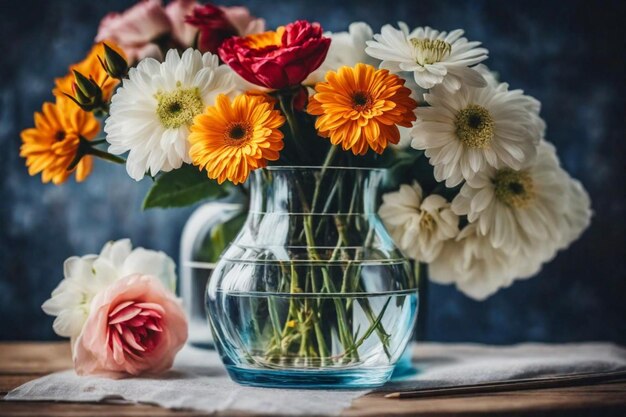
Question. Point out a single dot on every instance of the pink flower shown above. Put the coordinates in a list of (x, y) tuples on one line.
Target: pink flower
[(277, 59), (216, 24), (144, 29), (135, 326)]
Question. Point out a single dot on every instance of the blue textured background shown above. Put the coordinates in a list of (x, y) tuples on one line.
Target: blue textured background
[(568, 54)]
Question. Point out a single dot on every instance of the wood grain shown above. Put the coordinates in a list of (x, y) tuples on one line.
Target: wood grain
[(21, 362), (34, 358)]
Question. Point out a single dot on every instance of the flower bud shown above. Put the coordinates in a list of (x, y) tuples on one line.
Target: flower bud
[(114, 64), (87, 93)]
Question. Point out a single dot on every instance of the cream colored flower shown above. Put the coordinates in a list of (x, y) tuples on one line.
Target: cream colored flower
[(518, 222), (418, 225), (474, 265), (432, 57)]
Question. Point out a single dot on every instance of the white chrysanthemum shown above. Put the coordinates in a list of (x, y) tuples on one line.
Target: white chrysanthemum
[(151, 113), (418, 225), (346, 49), (516, 209), (474, 265), (535, 212), (471, 129), (86, 276), (433, 57)]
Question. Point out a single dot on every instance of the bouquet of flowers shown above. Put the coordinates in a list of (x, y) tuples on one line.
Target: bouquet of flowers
[(199, 96)]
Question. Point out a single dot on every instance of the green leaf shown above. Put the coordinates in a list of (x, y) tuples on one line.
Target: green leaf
[(182, 187), (224, 233), (220, 237)]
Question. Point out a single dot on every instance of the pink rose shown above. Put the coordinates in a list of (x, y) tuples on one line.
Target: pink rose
[(217, 23), (135, 326), (147, 27)]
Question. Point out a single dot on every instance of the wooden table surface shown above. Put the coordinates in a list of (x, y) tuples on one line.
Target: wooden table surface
[(22, 362)]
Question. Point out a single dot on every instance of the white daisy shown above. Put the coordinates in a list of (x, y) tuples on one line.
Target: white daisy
[(516, 209), (471, 129), (151, 113), (418, 225), (474, 265), (346, 49), (433, 57), (86, 276)]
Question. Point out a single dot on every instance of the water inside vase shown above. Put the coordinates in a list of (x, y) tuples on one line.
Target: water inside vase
[(264, 333)]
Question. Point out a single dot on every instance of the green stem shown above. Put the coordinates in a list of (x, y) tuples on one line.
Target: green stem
[(370, 330), (286, 105), (86, 147), (327, 161), (106, 156)]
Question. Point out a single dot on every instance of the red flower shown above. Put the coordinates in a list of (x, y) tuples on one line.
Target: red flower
[(277, 59), (215, 24)]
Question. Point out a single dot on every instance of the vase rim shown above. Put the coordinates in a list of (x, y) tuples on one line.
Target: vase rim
[(319, 168)]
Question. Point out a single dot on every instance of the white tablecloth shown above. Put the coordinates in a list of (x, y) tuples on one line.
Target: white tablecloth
[(198, 380)]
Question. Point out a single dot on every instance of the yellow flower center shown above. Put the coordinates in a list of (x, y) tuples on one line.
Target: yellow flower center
[(238, 132), (430, 51), (474, 126), (361, 100), (59, 135), (427, 222), (266, 39), (179, 107), (513, 188)]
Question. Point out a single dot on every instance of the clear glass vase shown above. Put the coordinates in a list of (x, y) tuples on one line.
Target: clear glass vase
[(313, 291)]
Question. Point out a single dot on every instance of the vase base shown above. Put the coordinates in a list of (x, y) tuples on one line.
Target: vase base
[(338, 379)]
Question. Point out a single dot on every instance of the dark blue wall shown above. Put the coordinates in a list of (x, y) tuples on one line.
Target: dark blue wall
[(568, 54)]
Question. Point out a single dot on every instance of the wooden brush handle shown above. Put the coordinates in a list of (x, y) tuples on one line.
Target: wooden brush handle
[(515, 385)]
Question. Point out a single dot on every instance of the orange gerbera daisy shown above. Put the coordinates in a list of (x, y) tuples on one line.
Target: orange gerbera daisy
[(231, 139), (361, 108), (90, 67), (51, 145)]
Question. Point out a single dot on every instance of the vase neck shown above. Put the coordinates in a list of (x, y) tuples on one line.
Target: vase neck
[(317, 191)]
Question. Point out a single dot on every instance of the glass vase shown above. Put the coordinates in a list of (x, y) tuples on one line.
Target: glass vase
[(312, 292), (209, 229)]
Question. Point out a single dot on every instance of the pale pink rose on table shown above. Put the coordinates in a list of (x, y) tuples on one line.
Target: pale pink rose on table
[(135, 326)]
